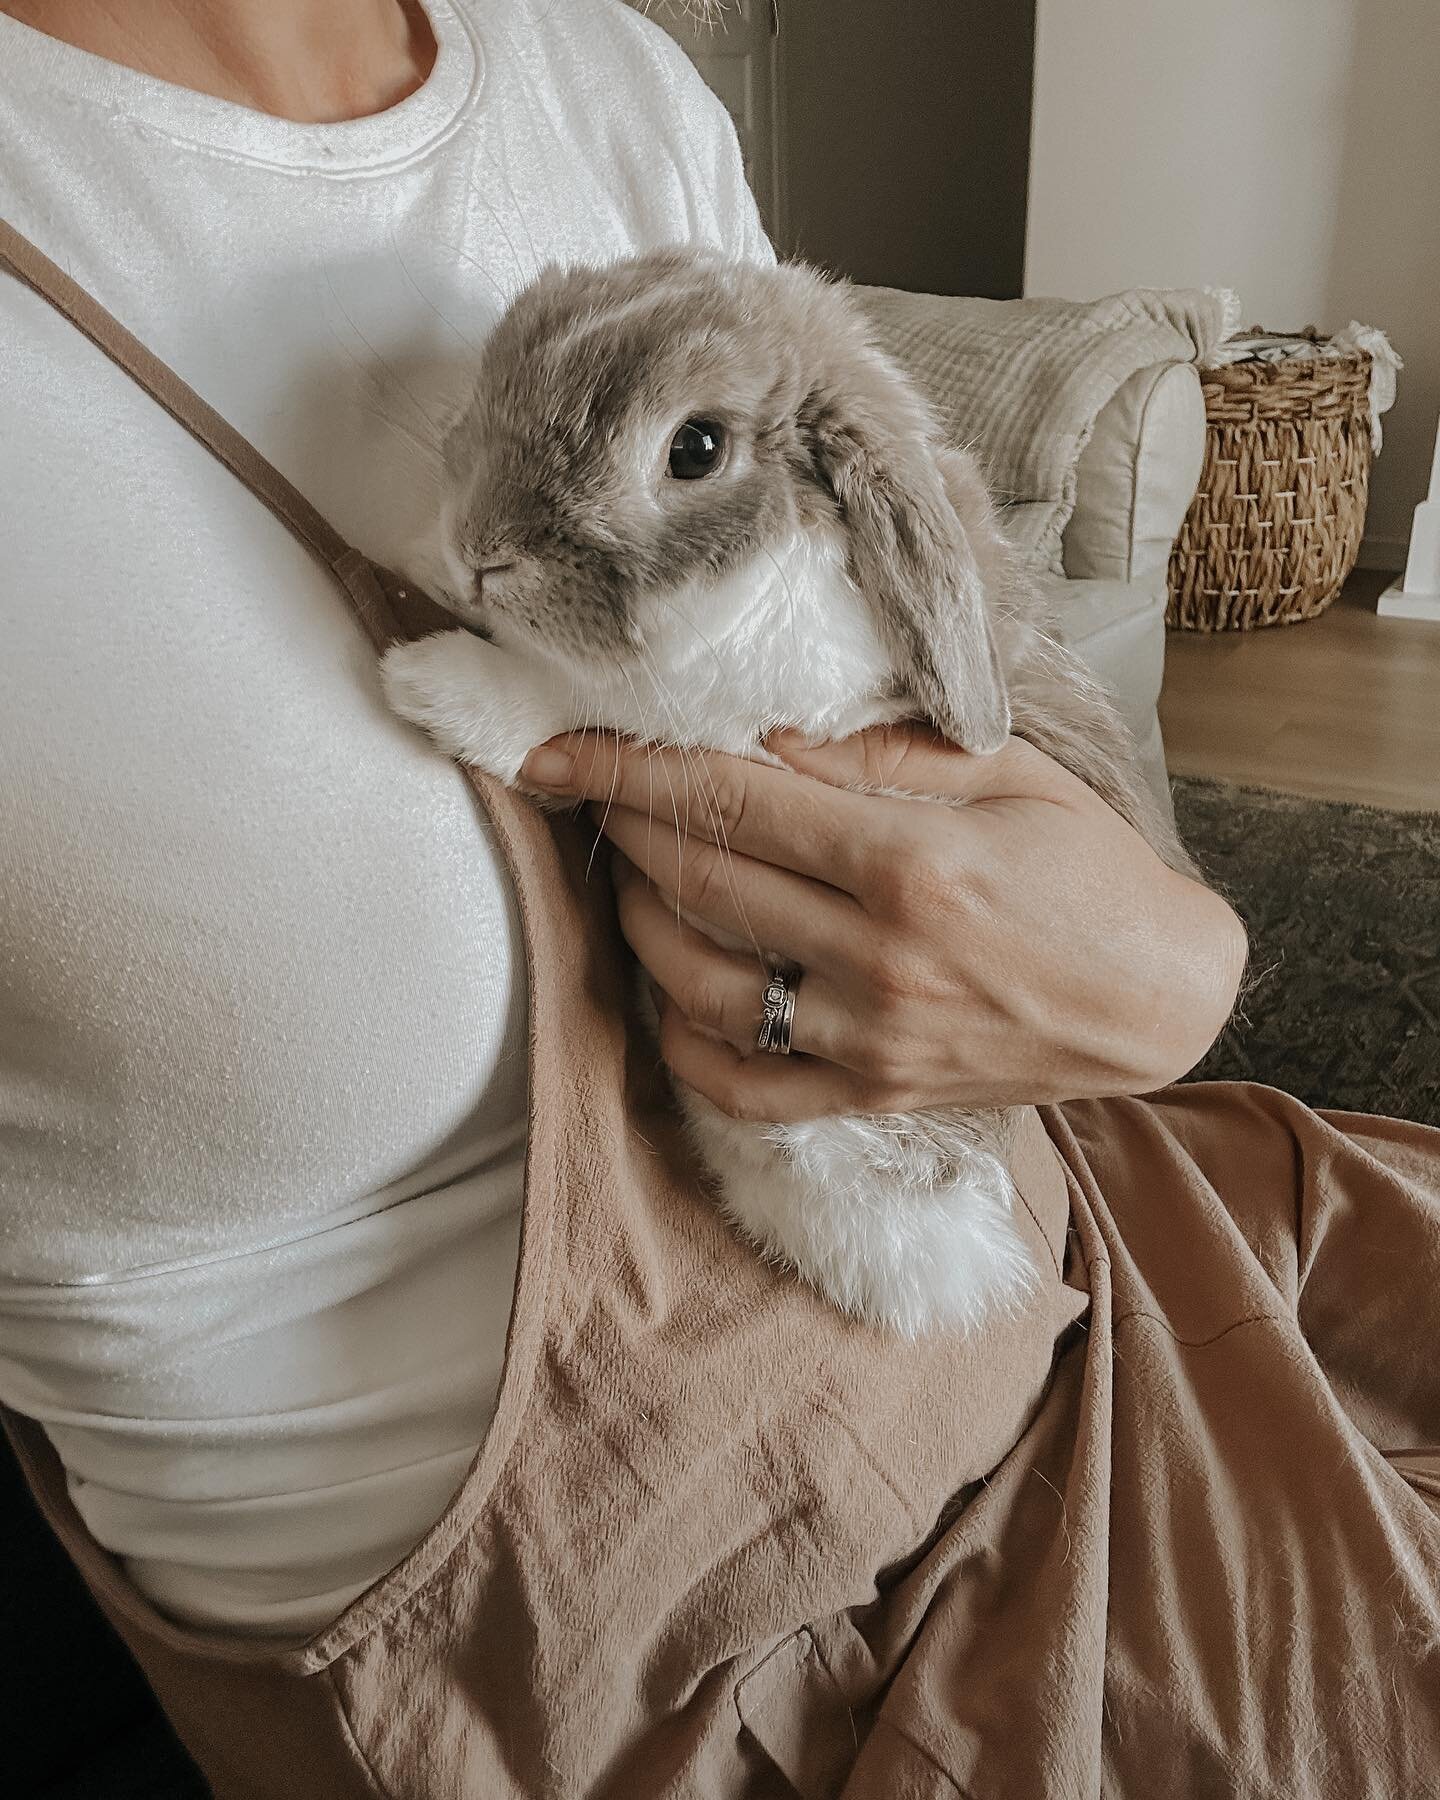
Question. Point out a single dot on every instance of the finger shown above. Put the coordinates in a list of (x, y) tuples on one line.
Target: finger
[(775, 912), (780, 1090), (911, 759), (753, 807), (720, 990)]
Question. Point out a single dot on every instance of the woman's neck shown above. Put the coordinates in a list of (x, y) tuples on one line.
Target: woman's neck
[(313, 61)]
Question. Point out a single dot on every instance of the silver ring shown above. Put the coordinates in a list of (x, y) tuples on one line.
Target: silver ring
[(777, 1013)]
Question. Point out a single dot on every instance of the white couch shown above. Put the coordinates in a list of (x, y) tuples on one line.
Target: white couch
[(1137, 477), (1002, 373)]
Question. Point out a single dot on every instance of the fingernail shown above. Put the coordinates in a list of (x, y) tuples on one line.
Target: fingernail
[(788, 743), (547, 768)]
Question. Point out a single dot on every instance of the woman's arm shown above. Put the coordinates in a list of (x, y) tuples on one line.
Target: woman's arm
[(1024, 946)]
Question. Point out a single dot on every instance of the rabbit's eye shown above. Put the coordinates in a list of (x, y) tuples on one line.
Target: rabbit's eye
[(696, 450)]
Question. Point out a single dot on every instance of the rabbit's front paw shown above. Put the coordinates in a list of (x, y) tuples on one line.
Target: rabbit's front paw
[(439, 683), (479, 703)]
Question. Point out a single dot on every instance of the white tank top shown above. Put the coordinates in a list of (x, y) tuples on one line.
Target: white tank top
[(262, 1004)]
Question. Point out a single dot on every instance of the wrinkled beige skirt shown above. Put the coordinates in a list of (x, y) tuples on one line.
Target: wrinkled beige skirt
[(1209, 1568)]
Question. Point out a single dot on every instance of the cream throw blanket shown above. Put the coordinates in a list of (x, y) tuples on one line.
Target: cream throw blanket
[(1022, 382)]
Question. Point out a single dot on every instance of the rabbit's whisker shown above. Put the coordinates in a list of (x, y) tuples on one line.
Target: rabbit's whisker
[(426, 445), (497, 292), (609, 798), (428, 448), (707, 790), (668, 707), (499, 224), (588, 715), (649, 772), (535, 258), (792, 614), (690, 623), (425, 299), (640, 715)]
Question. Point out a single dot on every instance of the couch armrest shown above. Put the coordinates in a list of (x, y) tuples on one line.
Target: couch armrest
[(1137, 476), (1117, 628)]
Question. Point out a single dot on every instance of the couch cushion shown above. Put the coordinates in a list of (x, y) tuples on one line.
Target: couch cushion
[(1137, 476)]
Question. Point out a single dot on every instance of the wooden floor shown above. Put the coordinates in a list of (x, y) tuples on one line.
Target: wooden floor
[(1343, 707)]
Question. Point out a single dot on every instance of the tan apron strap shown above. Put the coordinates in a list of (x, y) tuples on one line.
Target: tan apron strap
[(382, 605)]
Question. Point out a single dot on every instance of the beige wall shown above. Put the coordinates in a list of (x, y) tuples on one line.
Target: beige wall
[(1287, 148)]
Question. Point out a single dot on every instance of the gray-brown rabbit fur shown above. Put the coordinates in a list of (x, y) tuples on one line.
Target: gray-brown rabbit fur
[(616, 595)]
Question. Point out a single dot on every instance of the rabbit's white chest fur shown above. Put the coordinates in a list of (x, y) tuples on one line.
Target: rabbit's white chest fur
[(785, 640), (903, 1220)]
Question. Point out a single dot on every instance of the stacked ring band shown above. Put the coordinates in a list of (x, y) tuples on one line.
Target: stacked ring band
[(777, 1013)]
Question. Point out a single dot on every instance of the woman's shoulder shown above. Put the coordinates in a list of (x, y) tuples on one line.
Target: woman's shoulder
[(623, 87), (606, 36), (602, 52)]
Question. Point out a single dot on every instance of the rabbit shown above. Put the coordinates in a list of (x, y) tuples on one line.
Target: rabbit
[(690, 500)]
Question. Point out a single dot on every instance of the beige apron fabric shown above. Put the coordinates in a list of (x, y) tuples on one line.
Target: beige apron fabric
[(1173, 1531)]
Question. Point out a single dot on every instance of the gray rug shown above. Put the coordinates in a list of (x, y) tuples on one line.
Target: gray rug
[(1343, 907)]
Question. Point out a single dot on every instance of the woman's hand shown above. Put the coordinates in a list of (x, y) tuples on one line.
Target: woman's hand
[(1025, 946)]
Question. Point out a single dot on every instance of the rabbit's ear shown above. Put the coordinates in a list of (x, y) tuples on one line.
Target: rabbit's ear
[(909, 555)]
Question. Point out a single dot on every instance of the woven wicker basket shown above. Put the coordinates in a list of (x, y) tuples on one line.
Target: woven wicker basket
[(1275, 528)]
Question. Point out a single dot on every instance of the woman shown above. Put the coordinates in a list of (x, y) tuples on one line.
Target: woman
[(270, 977)]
